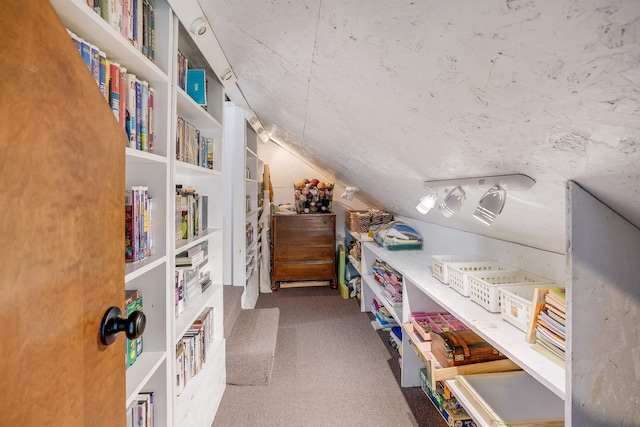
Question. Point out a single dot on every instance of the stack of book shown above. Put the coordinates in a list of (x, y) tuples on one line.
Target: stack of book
[(383, 319), (550, 326), (390, 281)]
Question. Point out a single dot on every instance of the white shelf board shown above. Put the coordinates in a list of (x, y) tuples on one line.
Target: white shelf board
[(189, 169), (141, 371), (415, 266), (192, 311), (363, 237), (189, 110), (138, 268), (185, 244), (134, 156)]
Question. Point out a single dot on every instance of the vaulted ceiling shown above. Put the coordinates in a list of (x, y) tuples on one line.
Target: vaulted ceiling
[(385, 94)]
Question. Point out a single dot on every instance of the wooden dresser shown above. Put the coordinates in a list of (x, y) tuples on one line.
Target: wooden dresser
[(304, 248)]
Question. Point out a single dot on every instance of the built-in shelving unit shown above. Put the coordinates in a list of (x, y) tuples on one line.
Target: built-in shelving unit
[(242, 196), (424, 293), (155, 368)]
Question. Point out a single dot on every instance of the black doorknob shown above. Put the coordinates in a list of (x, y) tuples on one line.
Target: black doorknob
[(113, 323)]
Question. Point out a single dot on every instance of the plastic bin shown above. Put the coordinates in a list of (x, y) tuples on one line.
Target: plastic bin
[(439, 264), (516, 303), (458, 272), (484, 287)]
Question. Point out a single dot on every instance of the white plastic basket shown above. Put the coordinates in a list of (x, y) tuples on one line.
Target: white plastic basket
[(516, 303), (457, 273), (439, 264), (484, 287)]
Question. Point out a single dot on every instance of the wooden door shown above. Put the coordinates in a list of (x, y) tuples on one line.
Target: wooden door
[(61, 229)]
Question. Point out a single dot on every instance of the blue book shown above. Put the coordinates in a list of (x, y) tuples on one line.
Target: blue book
[(197, 86), (86, 53)]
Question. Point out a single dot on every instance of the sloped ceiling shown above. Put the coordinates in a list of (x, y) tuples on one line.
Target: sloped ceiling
[(385, 94)]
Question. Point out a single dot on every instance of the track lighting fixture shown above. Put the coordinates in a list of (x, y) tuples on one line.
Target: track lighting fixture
[(453, 202), (198, 27), (427, 200), (491, 203), (350, 193)]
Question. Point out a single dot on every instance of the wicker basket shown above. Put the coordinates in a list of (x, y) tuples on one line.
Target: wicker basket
[(361, 221)]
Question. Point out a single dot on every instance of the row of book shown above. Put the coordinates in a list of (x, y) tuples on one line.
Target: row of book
[(192, 147), (445, 402), (138, 228), (133, 348), (192, 277), (141, 412), (130, 99), (133, 19), (191, 351), (550, 328), (191, 212)]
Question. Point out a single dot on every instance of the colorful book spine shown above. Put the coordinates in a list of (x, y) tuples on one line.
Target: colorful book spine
[(86, 53), (144, 116), (103, 83), (123, 99), (138, 108), (95, 63), (114, 15), (131, 109), (77, 41), (114, 95), (128, 226), (151, 123)]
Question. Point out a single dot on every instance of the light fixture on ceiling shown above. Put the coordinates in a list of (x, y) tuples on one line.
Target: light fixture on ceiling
[(427, 200), (453, 202), (350, 193), (227, 74), (198, 27), (491, 205)]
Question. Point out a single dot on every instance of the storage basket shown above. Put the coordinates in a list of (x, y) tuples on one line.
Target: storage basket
[(425, 323), (361, 221), (439, 262), (484, 286), (516, 303), (458, 272)]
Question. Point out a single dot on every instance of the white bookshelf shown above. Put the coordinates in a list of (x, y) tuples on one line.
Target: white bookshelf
[(242, 189), (154, 370)]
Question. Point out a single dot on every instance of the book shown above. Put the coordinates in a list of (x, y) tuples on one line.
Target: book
[(144, 115), (102, 75), (131, 296), (150, 125), (130, 106), (86, 53), (95, 63), (196, 87), (114, 89), (128, 226)]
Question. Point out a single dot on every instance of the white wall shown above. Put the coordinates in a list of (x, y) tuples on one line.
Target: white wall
[(286, 169)]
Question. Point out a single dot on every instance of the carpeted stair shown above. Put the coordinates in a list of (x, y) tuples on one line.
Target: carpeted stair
[(250, 338)]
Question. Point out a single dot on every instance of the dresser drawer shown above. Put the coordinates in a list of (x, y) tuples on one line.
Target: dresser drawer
[(304, 271), (303, 237), (305, 222), (289, 253)]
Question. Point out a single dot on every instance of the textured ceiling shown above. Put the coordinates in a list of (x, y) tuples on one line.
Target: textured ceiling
[(385, 94)]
